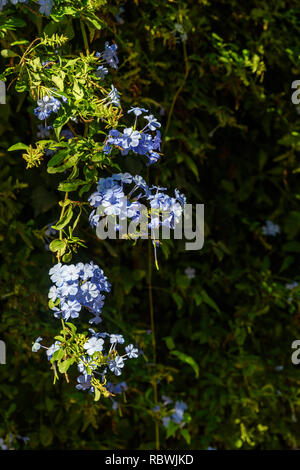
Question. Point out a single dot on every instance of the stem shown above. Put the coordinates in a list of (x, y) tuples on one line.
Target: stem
[(85, 39), (154, 384), (187, 69), (65, 357), (61, 216)]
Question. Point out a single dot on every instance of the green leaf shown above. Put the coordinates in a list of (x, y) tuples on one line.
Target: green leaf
[(64, 220), (97, 394), (64, 365), (58, 158), (72, 327), (58, 355), (186, 435), (178, 299), (71, 161), (18, 146), (8, 53), (171, 429), (58, 245), (188, 359), (70, 186), (209, 301), (169, 342)]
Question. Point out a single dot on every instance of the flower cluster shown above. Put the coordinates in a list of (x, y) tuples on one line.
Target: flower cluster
[(96, 356), (270, 229), (141, 142), (46, 106), (77, 286), (109, 55), (112, 361), (45, 5), (190, 272), (292, 285), (175, 414), (110, 199)]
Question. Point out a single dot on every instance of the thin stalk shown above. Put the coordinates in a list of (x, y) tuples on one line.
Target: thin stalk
[(152, 322), (187, 69), (85, 39)]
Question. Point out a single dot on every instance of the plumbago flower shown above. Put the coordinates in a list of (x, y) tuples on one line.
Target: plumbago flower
[(46, 106), (45, 6), (111, 198), (270, 229), (76, 287), (175, 415), (141, 142), (148, 208)]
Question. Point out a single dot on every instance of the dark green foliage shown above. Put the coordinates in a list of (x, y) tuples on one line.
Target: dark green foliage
[(231, 141)]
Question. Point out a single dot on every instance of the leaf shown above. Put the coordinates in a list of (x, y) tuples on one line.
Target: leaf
[(64, 220), (67, 164), (186, 435), (97, 394), (209, 301), (59, 122), (188, 359), (178, 299), (58, 245), (18, 146), (70, 186), (64, 365), (169, 342), (58, 158), (171, 429), (72, 327), (58, 355), (8, 53)]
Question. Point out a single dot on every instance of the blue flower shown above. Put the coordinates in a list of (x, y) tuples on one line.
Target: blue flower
[(190, 272), (90, 291), (179, 409), (131, 351), (84, 383), (130, 138), (292, 285), (43, 131), (110, 55), (2, 4), (116, 365), (36, 345), (101, 71), (93, 345), (137, 111), (52, 349), (113, 96), (53, 293), (116, 389), (166, 400), (45, 7), (116, 339), (71, 309), (46, 106), (166, 420), (152, 122), (270, 229)]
